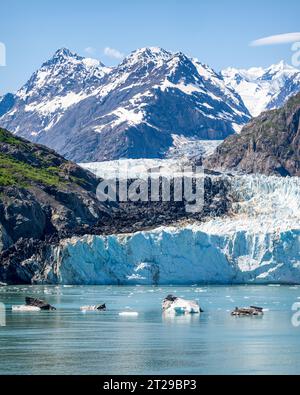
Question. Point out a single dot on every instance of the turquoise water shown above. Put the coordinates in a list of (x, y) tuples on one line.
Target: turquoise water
[(68, 341)]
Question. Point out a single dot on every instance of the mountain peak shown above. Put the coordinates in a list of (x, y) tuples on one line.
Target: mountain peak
[(148, 54), (152, 52), (65, 52), (61, 81), (63, 55), (282, 66)]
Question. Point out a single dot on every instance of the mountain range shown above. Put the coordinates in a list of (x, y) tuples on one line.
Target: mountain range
[(143, 108), (264, 89)]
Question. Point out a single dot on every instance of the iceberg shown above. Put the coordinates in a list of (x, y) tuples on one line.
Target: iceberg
[(173, 305)]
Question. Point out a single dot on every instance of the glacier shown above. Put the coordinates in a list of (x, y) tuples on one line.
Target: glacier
[(257, 243)]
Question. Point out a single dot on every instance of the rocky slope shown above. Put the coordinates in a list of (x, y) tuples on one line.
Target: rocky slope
[(41, 192), (6, 103), (269, 144), (87, 112)]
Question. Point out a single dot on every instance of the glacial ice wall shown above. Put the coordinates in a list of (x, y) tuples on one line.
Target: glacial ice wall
[(185, 255), (259, 242)]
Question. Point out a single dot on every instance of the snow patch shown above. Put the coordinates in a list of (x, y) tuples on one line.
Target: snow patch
[(58, 103)]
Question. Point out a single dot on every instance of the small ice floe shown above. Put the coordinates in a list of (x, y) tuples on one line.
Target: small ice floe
[(128, 314), (247, 311), (38, 303), (174, 305), (200, 290), (97, 307), (25, 308)]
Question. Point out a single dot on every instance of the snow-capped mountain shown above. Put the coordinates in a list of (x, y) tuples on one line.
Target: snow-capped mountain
[(61, 82), (6, 103), (88, 112), (264, 89)]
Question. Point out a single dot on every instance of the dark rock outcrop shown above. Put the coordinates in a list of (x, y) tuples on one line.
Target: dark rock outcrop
[(38, 303), (42, 193), (247, 311), (270, 144)]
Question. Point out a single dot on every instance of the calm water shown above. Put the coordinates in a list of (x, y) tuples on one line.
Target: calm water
[(68, 341)]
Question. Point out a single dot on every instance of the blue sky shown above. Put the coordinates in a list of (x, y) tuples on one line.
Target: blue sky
[(217, 32)]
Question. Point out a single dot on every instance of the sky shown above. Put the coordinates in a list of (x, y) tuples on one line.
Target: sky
[(217, 32)]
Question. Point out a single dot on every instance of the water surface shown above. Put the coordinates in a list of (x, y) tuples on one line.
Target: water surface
[(68, 341)]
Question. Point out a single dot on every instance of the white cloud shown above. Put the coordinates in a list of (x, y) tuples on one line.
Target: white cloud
[(113, 53), (2, 55), (90, 50), (275, 40)]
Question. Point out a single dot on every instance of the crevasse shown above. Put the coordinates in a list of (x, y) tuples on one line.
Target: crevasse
[(259, 242)]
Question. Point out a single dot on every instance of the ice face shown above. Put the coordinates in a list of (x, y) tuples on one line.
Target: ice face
[(259, 242)]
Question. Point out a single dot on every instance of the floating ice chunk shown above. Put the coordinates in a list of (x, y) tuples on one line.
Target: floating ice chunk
[(98, 307), (172, 304), (128, 314), (200, 290), (25, 308)]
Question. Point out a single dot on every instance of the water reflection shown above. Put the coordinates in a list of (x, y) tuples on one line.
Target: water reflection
[(180, 319), (67, 341)]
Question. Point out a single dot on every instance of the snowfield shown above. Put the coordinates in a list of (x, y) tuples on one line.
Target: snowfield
[(264, 89), (258, 243)]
